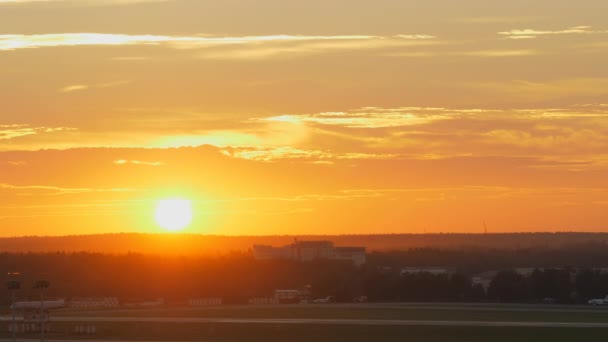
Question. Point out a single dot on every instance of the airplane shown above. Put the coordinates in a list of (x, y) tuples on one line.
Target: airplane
[(598, 301), (325, 300), (37, 305)]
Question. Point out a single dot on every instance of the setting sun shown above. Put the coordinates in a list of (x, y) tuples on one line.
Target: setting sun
[(174, 214)]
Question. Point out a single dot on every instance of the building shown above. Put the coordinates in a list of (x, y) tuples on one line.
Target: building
[(484, 279), (291, 296), (309, 251), (428, 270), (204, 301)]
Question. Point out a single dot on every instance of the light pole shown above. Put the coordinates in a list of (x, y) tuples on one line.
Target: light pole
[(42, 285), (13, 286)]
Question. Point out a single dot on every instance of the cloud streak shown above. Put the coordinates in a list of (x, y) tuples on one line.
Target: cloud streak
[(16, 42), (267, 154), (8, 132), (137, 162), (368, 117), (55, 190), (80, 87), (534, 33)]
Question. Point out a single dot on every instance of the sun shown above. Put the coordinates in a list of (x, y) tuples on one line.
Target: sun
[(174, 214)]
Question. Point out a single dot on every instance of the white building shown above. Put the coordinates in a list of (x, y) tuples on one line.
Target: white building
[(311, 250), (204, 301), (429, 270)]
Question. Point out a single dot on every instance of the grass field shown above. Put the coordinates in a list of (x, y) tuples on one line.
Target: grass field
[(274, 333)]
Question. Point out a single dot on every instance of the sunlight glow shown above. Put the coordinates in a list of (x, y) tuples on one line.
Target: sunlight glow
[(174, 214)]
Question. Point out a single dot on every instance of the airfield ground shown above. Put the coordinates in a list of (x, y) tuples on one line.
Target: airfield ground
[(416, 311), (361, 322)]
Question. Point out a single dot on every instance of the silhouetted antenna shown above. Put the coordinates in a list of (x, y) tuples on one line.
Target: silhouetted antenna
[(485, 227)]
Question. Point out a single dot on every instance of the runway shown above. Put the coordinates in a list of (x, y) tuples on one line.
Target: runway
[(308, 321), (151, 316), (483, 307)]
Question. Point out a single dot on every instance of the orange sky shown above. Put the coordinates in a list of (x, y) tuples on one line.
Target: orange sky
[(304, 117)]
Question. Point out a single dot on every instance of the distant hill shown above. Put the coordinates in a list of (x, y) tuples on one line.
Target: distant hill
[(212, 244)]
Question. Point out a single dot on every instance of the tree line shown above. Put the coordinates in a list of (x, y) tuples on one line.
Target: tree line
[(235, 277)]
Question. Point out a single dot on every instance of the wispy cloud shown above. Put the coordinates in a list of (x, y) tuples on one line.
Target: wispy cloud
[(501, 53), (15, 131), (291, 153), (576, 134), (534, 33), (314, 46), (16, 162), (490, 53), (368, 117), (72, 88), (137, 162), (55, 190), (79, 87), (15, 42)]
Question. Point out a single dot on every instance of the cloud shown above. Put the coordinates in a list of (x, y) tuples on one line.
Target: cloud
[(533, 33), (55, 190), (137, 162), (368, 117), (15, 42), (72, 88), (493, 53), (311, 47), (8, 132), (17, 162), (414, 36), (570, 138), (290, 153), (79, 87), (501, 53), (576, 135)]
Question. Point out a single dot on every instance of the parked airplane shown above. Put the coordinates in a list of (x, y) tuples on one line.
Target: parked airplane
[(325, 300), (598, 301)]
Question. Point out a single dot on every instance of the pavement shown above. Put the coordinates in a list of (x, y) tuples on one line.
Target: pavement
[(71, 317), (338, 322), (309, 321), (412, 306), (482, 307)]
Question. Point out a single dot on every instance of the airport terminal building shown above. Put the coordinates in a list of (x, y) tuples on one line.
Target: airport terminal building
[(311, 250)]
